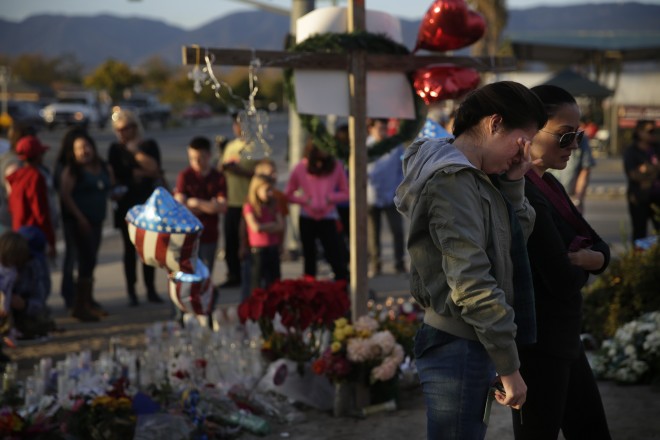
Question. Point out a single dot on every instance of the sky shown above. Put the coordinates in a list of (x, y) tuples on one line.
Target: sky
[(190, 14)]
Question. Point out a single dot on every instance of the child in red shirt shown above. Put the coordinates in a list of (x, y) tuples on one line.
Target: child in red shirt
[(264, 225)]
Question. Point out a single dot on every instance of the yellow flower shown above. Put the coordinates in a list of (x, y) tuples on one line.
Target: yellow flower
[(102, 401), (341, 322), (339, 334), (349, 330), (335, 346), (364, 333), (124, 402), (267, 345)]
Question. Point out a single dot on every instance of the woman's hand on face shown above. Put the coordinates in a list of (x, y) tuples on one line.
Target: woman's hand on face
[(523, 160)]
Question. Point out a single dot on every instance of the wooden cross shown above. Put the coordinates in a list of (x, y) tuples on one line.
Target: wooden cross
[(357, 63)]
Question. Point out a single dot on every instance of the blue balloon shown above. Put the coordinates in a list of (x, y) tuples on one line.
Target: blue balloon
[(162, 213)]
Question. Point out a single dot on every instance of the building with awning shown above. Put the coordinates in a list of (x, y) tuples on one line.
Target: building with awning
[(614, 75)]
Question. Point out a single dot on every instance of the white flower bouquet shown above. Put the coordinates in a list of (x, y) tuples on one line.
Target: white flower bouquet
[(633, 355)]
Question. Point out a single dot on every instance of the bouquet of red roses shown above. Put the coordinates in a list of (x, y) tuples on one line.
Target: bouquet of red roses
[(290, 312)]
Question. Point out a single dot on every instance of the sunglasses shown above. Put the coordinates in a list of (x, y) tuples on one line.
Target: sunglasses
[(566, 139)]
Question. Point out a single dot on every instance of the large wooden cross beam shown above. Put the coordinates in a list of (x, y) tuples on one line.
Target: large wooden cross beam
[(356, 63)]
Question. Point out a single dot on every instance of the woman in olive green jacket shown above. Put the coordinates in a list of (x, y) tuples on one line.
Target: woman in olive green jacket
[(469, 222)]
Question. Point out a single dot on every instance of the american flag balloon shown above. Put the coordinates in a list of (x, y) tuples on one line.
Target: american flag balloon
[(192, 292), (165, 233)]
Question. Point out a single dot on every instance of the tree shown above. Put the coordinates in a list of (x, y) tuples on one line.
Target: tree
[(41, 71), (35, 69), (156, 73), (114, 77)]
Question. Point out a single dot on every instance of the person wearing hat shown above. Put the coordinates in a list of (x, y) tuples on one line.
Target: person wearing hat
[(28, 191)]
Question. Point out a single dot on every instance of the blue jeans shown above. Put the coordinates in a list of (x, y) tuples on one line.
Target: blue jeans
[(455, 374)]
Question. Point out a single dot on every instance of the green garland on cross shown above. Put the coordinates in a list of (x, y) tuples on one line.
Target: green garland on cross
[(343, 43)]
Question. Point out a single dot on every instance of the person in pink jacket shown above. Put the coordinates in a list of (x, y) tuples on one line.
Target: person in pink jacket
[(317, 183)]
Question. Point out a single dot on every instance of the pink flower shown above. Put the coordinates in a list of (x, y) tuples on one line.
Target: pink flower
[(384, 340), (384, 371), (359, 350), (365, 324)]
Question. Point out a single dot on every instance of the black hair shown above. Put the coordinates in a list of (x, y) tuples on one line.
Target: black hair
[(515, 103), (638, 126), (65, 154), (200, 143), (21, 129), (319, 162), (67, 158), (553, 97), (372, 121), (14, 250)]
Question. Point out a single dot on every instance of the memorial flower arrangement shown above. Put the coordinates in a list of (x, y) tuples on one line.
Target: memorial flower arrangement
[(291, 313), (633, 354), (101, 417), (14, 425), (402, 318), (360, 352)]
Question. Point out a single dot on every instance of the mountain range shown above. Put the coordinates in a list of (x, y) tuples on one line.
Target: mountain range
[(93, 39)]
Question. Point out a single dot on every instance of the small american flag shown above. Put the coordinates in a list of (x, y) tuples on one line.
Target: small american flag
[(165, 233), (192, 292)]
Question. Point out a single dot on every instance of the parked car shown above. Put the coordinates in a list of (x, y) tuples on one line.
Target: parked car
[(146, 107), (74, 108), (197, 111), (25, 112)]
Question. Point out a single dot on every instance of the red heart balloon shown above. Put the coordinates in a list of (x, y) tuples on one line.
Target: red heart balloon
[(437, 83), (449, 25)]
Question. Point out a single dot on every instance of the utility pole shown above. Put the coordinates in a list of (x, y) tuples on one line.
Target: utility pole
[(296, 133), (5, 119)]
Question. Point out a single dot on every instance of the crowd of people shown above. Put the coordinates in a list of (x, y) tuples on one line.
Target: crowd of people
[(238, 192), (498, 245)]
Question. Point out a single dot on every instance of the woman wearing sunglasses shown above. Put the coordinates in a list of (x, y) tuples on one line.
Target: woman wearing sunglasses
[(563, 250), (641, 162)]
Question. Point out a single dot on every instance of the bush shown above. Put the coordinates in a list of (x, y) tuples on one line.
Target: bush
[(628, 288)]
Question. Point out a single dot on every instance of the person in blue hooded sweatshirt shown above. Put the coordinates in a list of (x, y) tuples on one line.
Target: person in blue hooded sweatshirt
[(30, 312)]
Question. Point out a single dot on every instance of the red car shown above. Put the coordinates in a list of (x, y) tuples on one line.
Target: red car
[(197, 111)]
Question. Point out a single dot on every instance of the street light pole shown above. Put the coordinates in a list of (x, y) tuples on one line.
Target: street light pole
[(5, 119), (296, 133)]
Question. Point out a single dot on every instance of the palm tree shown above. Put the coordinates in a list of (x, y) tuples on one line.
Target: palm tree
[(495, 13)]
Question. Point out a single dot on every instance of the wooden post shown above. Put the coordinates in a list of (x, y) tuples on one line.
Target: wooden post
[(357, 64), (358, 165)]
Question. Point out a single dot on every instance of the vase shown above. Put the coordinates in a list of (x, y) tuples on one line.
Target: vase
[(350, 398), (343, 403)]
